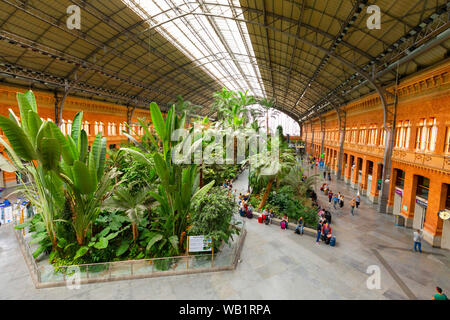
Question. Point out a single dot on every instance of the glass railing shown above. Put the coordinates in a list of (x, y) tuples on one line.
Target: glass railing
[(225, 259)]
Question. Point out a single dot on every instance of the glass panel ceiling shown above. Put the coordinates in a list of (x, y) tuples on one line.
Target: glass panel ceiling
[(220, 46)]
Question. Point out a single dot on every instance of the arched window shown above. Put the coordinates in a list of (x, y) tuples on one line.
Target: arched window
[(86, 127), (447, 142)]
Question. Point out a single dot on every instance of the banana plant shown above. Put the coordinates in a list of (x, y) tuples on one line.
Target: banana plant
[(33, 150), (40, 149), (133, 204), (178, 183)]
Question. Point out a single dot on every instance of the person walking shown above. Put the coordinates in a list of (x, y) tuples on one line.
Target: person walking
[(352, 206), (335, 200), (330, 196), (358, 200), (329, 176), (418, 236), (341, 200), (439, 295)]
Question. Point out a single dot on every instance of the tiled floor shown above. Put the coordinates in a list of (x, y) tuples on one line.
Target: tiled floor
[(275, 264)]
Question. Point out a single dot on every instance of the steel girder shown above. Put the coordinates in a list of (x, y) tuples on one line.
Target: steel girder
[(58, 82)]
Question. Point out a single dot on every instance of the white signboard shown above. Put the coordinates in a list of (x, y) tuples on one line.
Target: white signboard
[(8, 214), (199, 244)]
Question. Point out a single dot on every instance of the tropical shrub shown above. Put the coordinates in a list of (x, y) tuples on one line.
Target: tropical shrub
[(211, 216)]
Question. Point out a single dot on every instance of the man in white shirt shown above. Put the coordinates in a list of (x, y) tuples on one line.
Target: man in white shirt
[(418, 240)]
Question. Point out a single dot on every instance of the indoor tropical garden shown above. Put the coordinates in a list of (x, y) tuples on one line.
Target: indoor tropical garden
[(141, 202)]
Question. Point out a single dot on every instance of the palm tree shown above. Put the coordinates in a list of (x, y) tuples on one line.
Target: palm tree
[(133, 204), (267, 104), (272, 166), (295, 179)]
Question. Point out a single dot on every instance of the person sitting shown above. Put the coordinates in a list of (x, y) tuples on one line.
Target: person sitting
[(265, 212), (242, 211), (271, 215), (299, 226), (326, 232), (286, 221)]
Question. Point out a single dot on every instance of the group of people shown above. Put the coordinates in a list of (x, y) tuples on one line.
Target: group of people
[(246, 209), (228, 184), (268, 216), (323, 231)]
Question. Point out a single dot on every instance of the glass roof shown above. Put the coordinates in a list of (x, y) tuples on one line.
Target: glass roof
[(220, 46)]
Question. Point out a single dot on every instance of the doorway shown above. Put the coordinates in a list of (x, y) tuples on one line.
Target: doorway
[(420, 208)]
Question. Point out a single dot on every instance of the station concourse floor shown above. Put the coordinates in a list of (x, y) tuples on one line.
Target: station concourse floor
[(276, 264)]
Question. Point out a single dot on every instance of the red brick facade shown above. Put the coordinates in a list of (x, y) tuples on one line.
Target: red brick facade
[(108, 115), (421, 154)]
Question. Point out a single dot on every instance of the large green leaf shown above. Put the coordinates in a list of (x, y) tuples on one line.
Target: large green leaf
[(155, 238), (24, 107), (76, 128), (157, 120), (81, 252), (38, 251), (96, 150), (34, 124), (50, 153), (203, 191), (84, 146), (102, 243), (102, 159), (5, 165), (29, 95), (161, 169), (137, 156), (174, 242), (123, 247), (18, 139), (66, 151), (82, 178)]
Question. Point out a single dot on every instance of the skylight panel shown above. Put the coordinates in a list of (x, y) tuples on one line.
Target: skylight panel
[(206, 33)]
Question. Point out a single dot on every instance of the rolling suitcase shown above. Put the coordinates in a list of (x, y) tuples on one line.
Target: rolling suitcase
[(283, 225)]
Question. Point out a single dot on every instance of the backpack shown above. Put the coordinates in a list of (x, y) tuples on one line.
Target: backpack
[(283, 225), (333, 241)]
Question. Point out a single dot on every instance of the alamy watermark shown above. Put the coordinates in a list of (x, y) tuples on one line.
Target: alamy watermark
[(74, 19), (374, 280), (73, 277), (374, 21)]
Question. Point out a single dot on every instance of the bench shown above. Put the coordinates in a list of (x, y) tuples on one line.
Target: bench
[(291, 225)]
